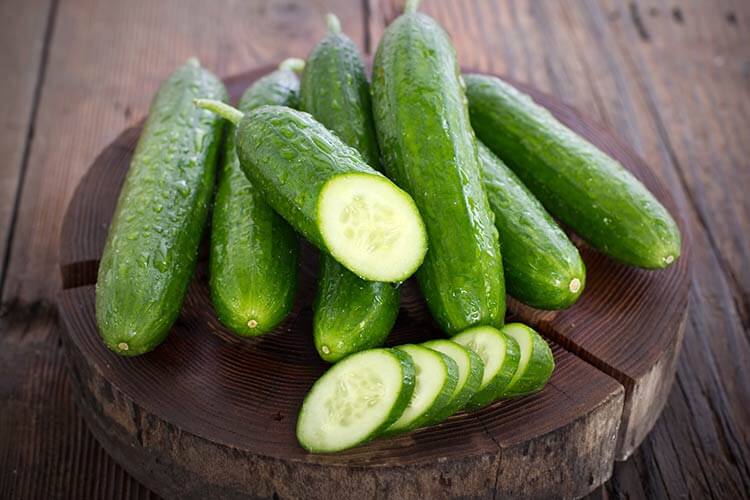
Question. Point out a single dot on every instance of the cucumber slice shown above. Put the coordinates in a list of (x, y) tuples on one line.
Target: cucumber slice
[(355, 400), (470, 371), (535, 364), (436, 377), (500, 355), (370, 225)]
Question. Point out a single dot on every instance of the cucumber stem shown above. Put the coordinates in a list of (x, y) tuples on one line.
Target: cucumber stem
[(222, 109), (411, 6), (333, 23), (293, 64)]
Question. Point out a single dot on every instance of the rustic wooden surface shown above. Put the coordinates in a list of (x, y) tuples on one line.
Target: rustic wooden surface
[(671, 78)]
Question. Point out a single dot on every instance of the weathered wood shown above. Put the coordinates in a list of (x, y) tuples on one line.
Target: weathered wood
[(23, 41), (105, 61)]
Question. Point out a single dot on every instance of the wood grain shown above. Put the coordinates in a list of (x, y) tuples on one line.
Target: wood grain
[(23, 41), (105, 61), (679, 97)]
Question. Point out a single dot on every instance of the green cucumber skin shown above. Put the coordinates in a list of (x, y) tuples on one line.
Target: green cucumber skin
[(538, 370), (576, 182), (290, 156), (540, 261), (434, 413), (496, 388), (253, 258), (349, 313), (471, 386), (152, 245), (429, 149), (407, 389)]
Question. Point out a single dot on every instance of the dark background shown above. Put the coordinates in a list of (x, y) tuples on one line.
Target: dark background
[(671, 78)]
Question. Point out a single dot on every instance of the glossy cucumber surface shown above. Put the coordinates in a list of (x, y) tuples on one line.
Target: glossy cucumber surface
[(576, 182), (429, 149), (253, 260), (350, 314), (152, 245), (542, 267)]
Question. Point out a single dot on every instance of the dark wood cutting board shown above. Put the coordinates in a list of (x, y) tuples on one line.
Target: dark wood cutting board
[(209, 415)]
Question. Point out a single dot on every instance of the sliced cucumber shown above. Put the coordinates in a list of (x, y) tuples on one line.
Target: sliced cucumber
[(436, 378), (500, 355), (355, 400), (371, 226), (470, 371), (535, 364)]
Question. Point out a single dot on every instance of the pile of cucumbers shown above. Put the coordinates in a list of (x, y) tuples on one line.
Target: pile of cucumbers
[(456, 179)]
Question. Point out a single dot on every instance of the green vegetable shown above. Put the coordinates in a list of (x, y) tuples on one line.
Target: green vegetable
[(535, 364), (542, 267), (355, 400), (325, 190), (579, 184), (470, 372), (350, 314), (254, 251), (435, 381), (500, 355), (153, 239), (429, 149)]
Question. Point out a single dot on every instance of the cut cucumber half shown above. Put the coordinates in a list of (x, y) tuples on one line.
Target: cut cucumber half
[(470, 371), (371, 226), (436, 377), (535, 364), (500, 355), (356, 400)]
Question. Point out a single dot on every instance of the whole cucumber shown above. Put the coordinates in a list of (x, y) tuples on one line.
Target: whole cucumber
[(542, 267), (253, 258), (152, 245), (326, 191), (349, 314), (429, 149), (579, 184)]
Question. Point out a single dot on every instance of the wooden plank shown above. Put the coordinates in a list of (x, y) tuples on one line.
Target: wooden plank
[(23, 41), (671, 79), (105, 61)]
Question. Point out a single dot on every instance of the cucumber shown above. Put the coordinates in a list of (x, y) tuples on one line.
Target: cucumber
[(324, 189), (429, 149), (542, 267), (253, 258), (580, 185), (535, 364), (470, 371), (349, 313), (436, 379), (152, 245), (500, 355), (355, 400)]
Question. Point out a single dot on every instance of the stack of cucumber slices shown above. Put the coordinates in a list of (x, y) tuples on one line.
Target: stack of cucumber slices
[(383, 392), (458, 180)]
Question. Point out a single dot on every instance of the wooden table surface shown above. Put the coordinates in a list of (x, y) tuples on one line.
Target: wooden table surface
[(670, 78)]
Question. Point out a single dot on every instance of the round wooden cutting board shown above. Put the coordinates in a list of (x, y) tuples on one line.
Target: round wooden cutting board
[(211, 415)]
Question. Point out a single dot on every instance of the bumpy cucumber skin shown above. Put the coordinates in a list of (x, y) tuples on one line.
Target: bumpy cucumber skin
[(540, 261), (579, 184), (152, 246), (434, 413), (350, 314), (471, 385), (253, 259), (429, 149), (404, 396), (290, 157), (538, 370)]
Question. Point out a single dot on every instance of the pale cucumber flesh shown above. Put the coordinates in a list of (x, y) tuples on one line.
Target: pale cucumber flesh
[(371, 227)]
